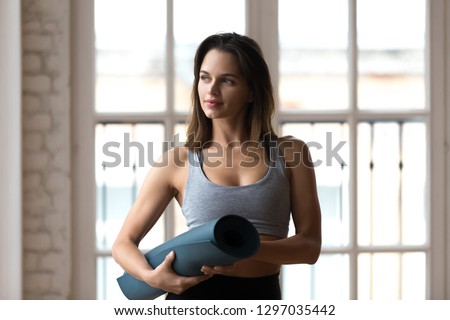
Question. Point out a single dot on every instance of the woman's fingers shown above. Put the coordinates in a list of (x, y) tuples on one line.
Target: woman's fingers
[(222, 270), (169, 281)]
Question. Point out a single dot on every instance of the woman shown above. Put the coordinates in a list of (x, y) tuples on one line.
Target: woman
[(232, 163)]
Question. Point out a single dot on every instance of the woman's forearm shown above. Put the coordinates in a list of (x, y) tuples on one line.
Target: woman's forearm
[(131, 259), (295, 249)]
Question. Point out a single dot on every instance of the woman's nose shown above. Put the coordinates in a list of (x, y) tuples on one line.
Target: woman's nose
[(213, 88)]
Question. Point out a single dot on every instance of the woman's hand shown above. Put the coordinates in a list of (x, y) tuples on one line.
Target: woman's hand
[(227, 270), (163, 277)]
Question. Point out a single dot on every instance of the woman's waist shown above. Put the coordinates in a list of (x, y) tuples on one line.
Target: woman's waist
[(249, 268)]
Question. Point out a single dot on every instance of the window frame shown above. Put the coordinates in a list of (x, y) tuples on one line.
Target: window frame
[(439, 165), (261, 15)]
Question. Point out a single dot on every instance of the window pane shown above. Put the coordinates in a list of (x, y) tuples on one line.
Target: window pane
[(313, 55), (414, 188), (391, 189), (414, 271), (332, 172), (390, 276), (327, 279), (107, 273), (125, 153), (180, 133), (130, 55), (391, 42), (205, 17)]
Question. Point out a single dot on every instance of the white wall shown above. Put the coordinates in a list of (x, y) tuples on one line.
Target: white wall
[(10, 159)]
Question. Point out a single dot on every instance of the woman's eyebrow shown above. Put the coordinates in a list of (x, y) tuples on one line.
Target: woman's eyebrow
[(222, 75)]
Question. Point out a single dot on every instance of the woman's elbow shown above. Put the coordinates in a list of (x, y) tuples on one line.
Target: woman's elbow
[(114, 251), (308, 253), (315, 251)]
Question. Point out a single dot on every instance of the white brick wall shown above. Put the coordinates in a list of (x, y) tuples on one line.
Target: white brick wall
[(46, 149)]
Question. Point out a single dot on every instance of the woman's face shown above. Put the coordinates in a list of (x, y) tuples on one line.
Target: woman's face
[(222, 89)]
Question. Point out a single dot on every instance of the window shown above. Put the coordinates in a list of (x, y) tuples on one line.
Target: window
[(358, 87), (356, 90), (144, 74)]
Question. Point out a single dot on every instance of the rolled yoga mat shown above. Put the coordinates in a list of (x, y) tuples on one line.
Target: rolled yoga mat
[(219, 242)]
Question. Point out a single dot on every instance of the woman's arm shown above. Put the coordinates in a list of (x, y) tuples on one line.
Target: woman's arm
[(305, 245), (158, 189)]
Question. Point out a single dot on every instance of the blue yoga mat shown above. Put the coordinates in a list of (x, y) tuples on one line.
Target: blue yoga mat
[(220, 242)]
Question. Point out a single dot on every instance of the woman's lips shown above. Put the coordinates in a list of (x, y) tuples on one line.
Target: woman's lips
[(212, 103)]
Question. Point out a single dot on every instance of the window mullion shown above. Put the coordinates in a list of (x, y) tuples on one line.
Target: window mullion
[(170, 64), (83, 97), (353, 123), (170, 121), (262, 25), (437, 269), (313, 116), (447, 150)]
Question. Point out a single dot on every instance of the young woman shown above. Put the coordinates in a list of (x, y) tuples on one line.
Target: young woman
[(232, 163)]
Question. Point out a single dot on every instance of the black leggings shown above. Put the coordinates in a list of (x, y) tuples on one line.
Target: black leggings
[(233, 288)]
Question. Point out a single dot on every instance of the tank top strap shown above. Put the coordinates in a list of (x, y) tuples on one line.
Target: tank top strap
[(274, 152), (195, 158)]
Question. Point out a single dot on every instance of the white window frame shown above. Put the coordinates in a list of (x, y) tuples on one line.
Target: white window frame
[(261, 17), (439, 163)]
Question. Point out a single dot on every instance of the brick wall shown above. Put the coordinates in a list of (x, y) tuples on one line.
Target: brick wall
[(46, 149)]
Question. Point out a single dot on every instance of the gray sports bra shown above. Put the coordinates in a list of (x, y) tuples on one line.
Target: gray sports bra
[(265, 203)]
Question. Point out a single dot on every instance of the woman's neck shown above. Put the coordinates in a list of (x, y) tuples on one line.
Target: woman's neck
[(226, 133)]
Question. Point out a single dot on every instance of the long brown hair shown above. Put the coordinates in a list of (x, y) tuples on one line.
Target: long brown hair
[(252, 65)]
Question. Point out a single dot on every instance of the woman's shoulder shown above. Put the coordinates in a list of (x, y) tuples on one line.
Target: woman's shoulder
[(176, 157), (171, 168), (294, 150), (290, 144)]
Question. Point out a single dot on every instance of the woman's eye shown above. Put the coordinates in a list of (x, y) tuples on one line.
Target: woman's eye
[(204, 78), (228, 81)]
